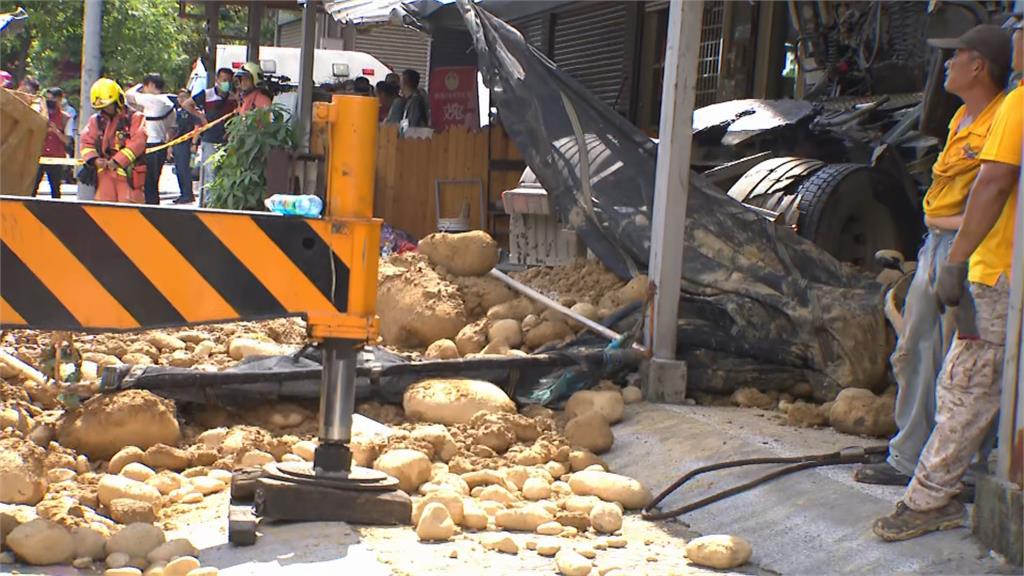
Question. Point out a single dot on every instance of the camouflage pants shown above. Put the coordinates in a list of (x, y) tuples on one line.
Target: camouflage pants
[(967, 402)]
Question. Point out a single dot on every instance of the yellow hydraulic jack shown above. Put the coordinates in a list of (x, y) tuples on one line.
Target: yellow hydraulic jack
[(99, 267)]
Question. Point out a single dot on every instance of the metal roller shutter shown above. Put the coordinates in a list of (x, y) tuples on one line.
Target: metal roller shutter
[(589, 45), (290, 34), (398, 48), (532, 30)]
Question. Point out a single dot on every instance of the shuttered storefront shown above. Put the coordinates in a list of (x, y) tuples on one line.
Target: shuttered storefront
[(532, 30), (589, 44), (397, 47), (290, 34)]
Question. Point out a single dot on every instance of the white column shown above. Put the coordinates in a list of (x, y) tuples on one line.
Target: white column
[(667, 377), (1011, 414)]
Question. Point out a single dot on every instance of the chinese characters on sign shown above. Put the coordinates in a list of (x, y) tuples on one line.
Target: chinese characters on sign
[(453, 98)]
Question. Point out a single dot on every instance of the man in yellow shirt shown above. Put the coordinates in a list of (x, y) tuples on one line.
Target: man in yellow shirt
[(969, 385), (977, 75)]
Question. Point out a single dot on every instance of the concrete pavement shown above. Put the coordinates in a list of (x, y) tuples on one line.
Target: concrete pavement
[(812, 522)]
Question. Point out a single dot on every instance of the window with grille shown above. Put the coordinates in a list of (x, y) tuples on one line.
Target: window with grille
[(709, 60)]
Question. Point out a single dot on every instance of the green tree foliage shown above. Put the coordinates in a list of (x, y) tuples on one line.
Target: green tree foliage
[(139, 36), (241, 183)]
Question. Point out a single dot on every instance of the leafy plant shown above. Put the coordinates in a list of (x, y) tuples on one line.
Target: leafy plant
[(240, 182)]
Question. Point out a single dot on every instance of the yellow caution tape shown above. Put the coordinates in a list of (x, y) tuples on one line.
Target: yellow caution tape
[(45, 161)]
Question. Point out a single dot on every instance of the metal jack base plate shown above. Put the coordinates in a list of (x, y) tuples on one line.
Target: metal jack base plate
[(294, 491)]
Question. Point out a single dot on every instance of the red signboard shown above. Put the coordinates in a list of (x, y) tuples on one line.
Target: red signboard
[(453, 98)]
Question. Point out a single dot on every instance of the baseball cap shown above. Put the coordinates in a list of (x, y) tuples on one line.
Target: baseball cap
[(992, 42)]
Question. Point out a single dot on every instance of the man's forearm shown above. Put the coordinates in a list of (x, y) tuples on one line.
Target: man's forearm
[(984, 205)]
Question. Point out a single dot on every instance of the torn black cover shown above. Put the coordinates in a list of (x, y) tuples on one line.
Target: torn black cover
[(760, 306)]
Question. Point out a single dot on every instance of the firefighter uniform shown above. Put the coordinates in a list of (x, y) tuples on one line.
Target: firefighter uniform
[(119, 139)]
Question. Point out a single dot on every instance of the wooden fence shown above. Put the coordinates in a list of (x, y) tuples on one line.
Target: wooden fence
[(408, 170)]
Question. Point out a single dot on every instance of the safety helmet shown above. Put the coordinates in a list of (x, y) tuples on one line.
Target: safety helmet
[(252, 69), (105, 92)]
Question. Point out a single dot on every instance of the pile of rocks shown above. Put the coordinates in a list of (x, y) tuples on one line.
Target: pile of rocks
[(854, 411), (442, 300), (136, 549)]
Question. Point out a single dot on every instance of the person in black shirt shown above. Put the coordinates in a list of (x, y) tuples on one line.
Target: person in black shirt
[(415, 115), (181, 152), (214, 103)]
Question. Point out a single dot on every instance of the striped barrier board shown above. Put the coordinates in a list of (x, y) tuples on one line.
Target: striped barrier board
[(114, 267)]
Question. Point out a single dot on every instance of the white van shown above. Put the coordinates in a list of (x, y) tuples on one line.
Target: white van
[(328, 65)]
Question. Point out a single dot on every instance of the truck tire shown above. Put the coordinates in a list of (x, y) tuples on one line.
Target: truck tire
[(852, 211)]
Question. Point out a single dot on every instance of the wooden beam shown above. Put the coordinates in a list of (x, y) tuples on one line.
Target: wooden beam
[(671, 191), (254, 28)]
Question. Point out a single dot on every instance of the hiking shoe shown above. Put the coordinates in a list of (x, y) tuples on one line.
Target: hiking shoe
[(183, 200), (882, 473), (904, 523)]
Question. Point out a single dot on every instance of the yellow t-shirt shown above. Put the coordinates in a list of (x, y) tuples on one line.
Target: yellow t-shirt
[(958, 163), (995, 253)]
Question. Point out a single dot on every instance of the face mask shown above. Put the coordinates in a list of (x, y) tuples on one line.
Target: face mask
[(51, 104), (225, 86)]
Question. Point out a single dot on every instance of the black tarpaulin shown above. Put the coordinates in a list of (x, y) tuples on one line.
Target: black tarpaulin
[(760, 306)]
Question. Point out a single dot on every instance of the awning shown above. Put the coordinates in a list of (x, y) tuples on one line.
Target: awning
[(377, 12)]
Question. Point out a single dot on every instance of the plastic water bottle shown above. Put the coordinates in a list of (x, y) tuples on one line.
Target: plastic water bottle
[(305, 205)]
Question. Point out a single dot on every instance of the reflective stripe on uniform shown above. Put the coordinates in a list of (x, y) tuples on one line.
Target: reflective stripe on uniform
[(127, 152)]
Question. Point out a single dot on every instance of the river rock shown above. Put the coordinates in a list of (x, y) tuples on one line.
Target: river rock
[(112, 487), (42, 542), (609, 403), (89, 543), (859, 411), (721, 551), (162, 456), (571, 563), (106, 423), (590, 431), (453, 401), (435, 523), (410, 467), (22, 471), (136, 540), (471, 253), (606, 518), (172, 549), (128, 511)]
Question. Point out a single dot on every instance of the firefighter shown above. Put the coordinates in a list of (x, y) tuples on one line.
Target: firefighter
[(249, 79), (112, 141)]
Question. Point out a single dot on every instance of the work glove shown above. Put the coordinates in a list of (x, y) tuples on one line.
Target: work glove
[(966, 319), (951, 283), (87, 175)]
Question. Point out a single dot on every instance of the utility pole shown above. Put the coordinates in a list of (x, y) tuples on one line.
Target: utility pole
[(212, 39), (92, 60), (666, 378), (305, 112)]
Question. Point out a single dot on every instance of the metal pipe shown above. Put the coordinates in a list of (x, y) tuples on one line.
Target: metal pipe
[(534, 295), (338, 391)]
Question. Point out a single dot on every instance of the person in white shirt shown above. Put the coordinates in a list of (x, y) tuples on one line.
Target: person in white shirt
[(148, 98)]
